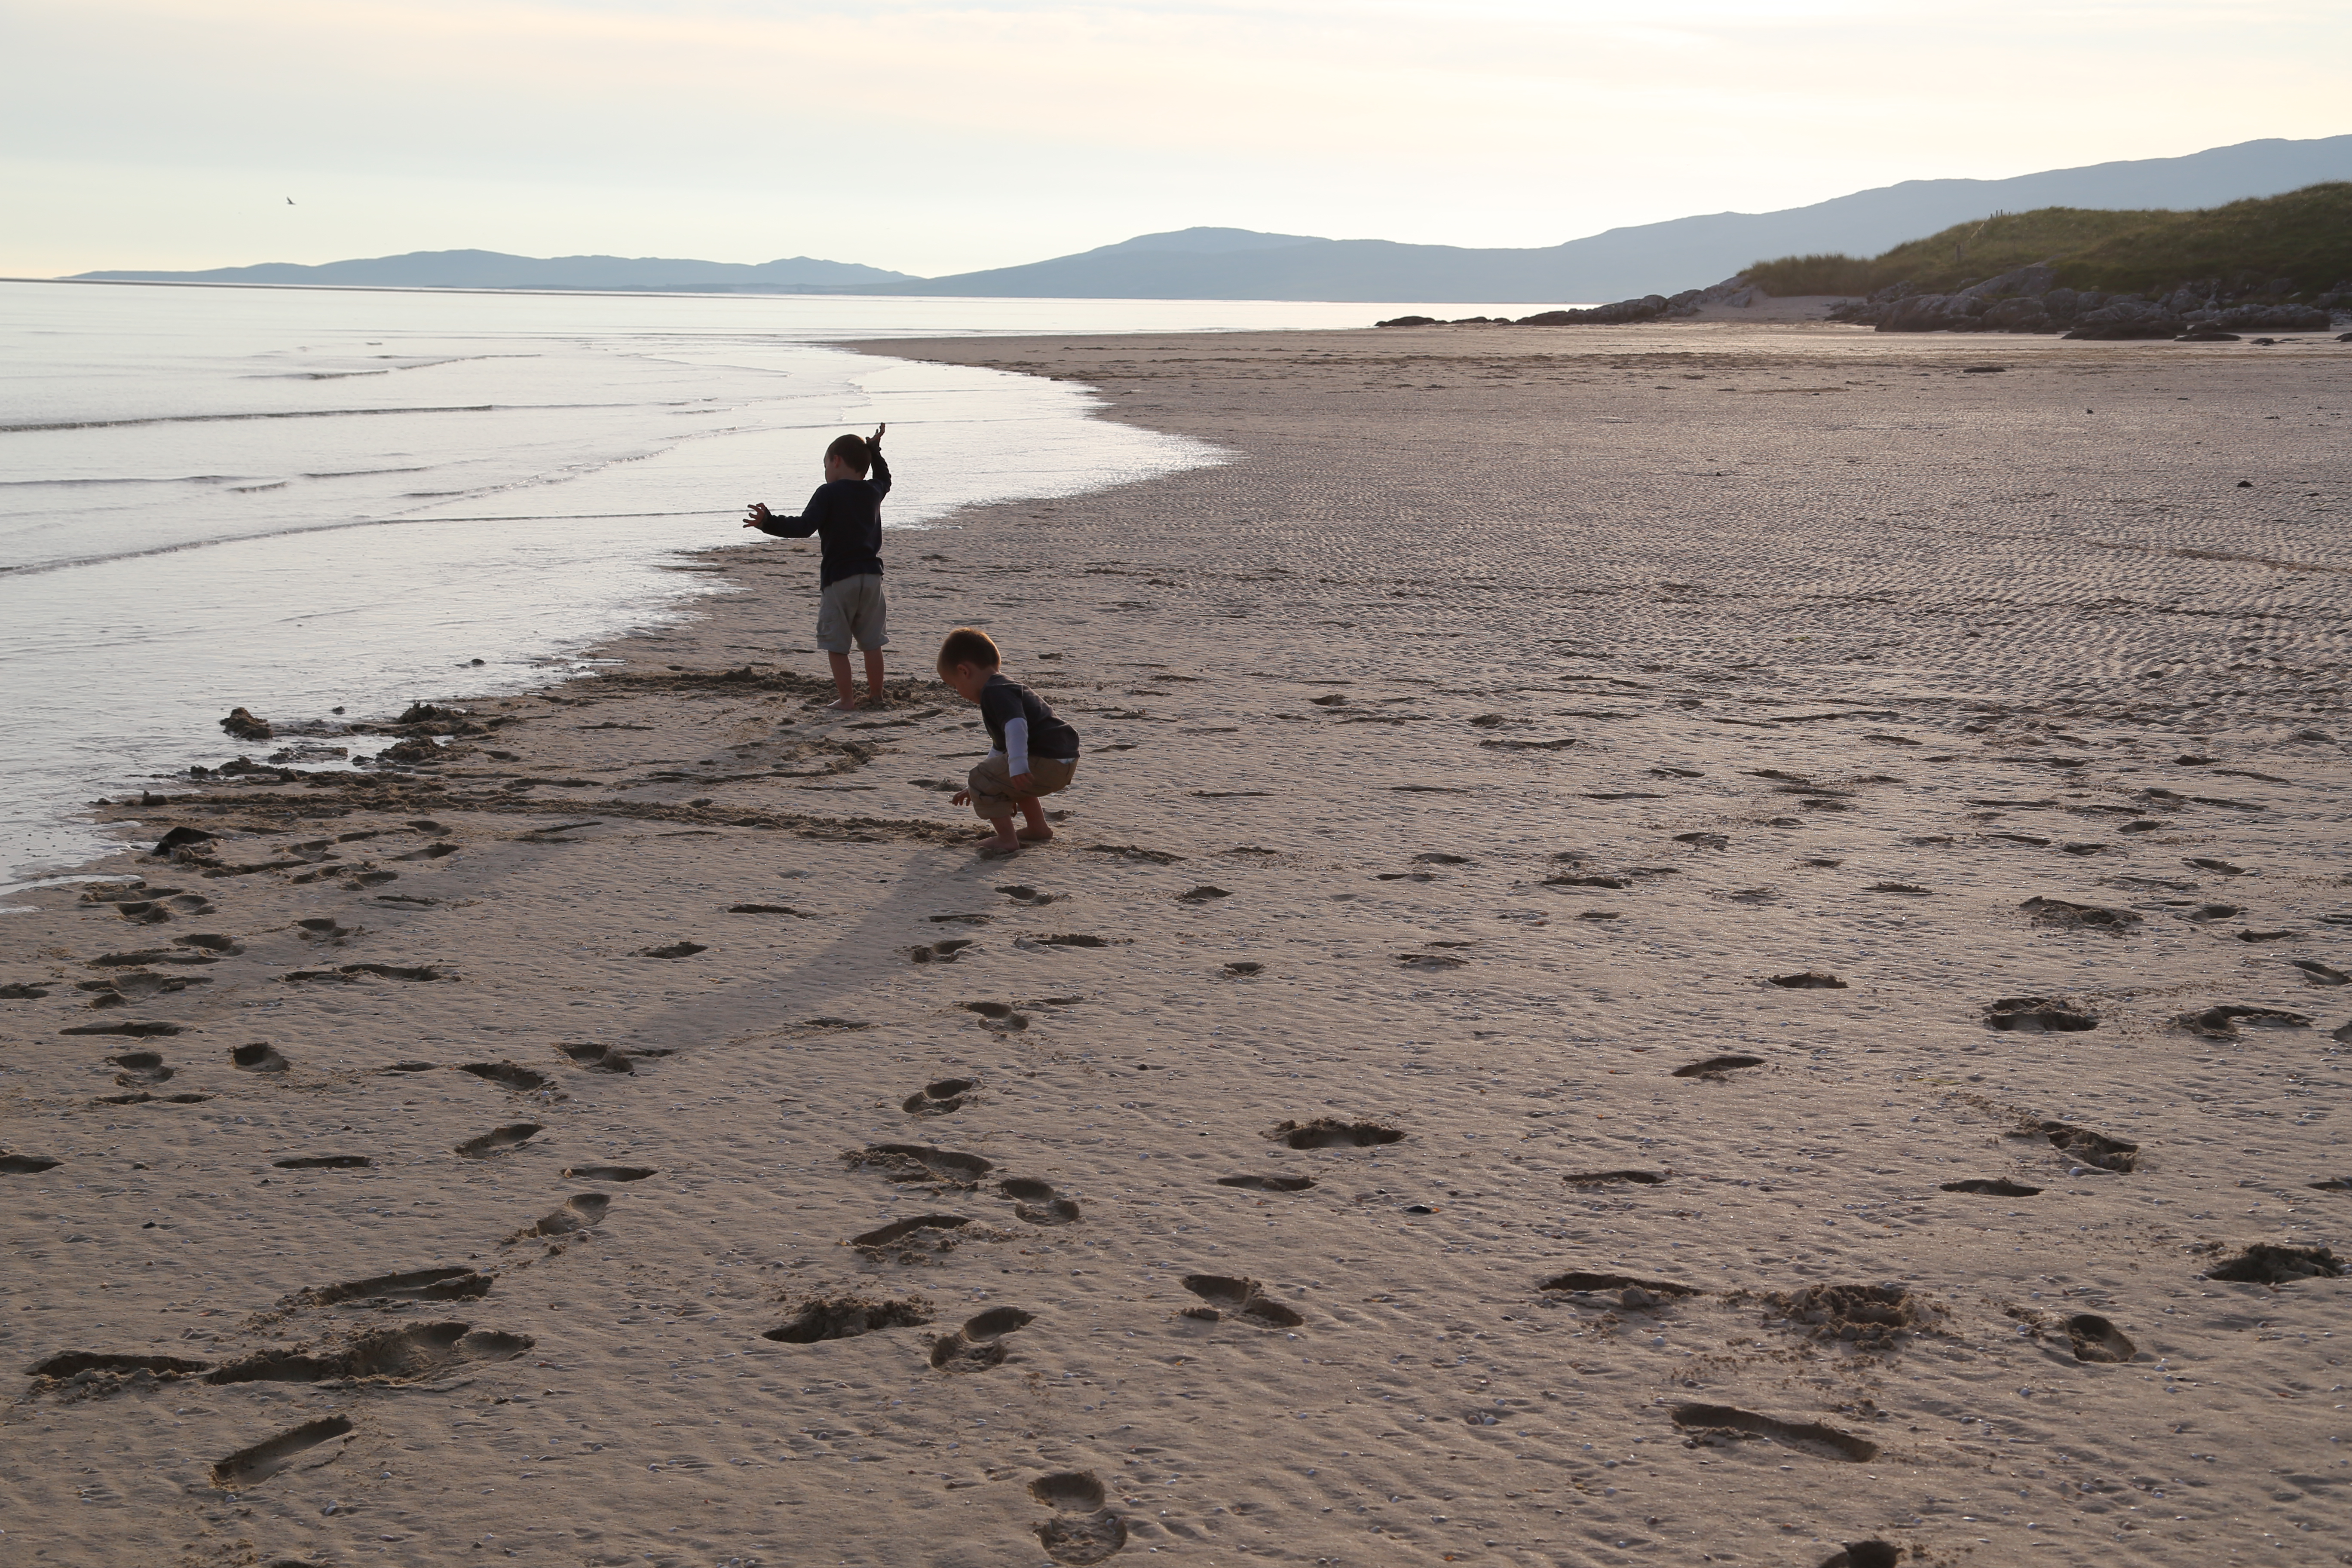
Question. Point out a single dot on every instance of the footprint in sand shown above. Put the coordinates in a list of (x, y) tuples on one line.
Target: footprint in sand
[(2317, 973), (1723, 1423), (499, 1140), (450, 1283), (2068, 916), (998, 1016), (259, 1461), (1328, 1132), (2038, 1016), (2094, 1149), (937, 951), (1230, 1296), (1241, 969), (1038, 1202), (2223, 1023), (2266, 1264), (1268, 1183), (508, 1075), (919, 1162), (96, 1374), (2221, 868), (914, 1227), (1715, 1068), (609, 1173), (1203, 894), (597, 1056), (324, 1162), (1808, 980), (940, 1097), (1621, 1290), (1866, 1553), (1082, 1529), (2094, 1339), (259, 1057), (821, 1318), (26, 1164), (379, 1355), (397, 971), (137, 985), (1022, 894), (1995, 1187), (140, 1067), (980, 1343), (18, 991), (673, 949), (1598, 1178), (577, 1214), (136, 1031)]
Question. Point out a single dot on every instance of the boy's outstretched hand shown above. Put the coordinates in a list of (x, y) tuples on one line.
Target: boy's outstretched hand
[(961, 798), (761, 516), (876, 439)]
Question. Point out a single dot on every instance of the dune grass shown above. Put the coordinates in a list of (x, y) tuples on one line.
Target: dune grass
[(2303, 238)]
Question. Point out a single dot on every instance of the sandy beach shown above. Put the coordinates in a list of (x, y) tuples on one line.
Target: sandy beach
[(1912, 769)]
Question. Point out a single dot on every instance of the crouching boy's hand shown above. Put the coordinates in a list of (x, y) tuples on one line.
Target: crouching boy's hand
[(961, 798), (1023, 783)]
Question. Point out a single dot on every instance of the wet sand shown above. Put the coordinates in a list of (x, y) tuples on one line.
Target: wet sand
[(1639, 968)]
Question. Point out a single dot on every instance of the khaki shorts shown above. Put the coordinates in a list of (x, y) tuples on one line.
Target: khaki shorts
[(991, 783), (852, 607)]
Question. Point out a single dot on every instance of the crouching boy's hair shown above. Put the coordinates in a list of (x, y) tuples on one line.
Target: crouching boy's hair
[(853, 451), (969, 645)]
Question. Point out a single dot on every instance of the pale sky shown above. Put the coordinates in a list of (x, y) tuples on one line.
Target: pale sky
[(954, 134)]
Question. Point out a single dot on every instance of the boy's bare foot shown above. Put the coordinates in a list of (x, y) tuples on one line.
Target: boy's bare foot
[(844, 705), (1036, 834)]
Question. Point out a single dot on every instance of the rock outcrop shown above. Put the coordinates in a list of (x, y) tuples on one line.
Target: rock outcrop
[(2031, 299)]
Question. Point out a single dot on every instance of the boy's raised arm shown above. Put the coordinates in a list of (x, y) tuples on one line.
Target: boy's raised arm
[(767, 521)]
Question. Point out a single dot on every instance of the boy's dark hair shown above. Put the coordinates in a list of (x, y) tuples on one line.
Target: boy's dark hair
[(853, 451), (969, 645)]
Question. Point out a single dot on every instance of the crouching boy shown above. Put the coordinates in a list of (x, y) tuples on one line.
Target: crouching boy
[(1036, 754)]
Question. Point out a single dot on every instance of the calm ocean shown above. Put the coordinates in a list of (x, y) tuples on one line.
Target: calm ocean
[(296, 499)]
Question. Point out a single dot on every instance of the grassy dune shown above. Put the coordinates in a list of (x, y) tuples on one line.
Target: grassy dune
[(2303, 237)]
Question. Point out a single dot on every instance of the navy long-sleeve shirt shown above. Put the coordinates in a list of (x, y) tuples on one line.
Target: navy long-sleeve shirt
[(847, 514)]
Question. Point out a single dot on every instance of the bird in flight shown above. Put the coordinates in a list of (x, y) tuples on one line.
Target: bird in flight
[(289, 201)]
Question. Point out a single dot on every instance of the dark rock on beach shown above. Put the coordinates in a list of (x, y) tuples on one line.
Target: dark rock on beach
[(244, 726)]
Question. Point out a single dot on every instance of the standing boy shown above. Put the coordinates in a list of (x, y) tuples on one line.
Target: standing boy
[(846, 513), (1035, 753)]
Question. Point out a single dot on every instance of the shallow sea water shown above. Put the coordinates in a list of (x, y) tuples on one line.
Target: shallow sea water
[(298, 499)]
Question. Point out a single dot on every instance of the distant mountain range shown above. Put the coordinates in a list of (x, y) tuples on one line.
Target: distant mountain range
[(496, 269), (1244, 264)]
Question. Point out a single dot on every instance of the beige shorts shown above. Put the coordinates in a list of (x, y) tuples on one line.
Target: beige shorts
[(852, 607), (991, 783)]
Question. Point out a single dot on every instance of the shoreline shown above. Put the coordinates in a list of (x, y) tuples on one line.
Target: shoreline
[(1484, 756)]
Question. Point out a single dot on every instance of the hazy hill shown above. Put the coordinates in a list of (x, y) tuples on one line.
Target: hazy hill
[(494, 270), (1659, 257), (2302, 239), (1241, 264)]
